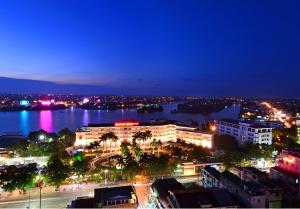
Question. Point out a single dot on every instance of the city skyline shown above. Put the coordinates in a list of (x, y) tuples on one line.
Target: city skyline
[(205, 48)]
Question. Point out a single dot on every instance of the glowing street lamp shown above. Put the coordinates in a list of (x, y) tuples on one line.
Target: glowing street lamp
[(42, 137)]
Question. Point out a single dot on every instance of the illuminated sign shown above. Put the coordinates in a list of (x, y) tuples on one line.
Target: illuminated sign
[(24, 102), (45, 102), (127, 123), (289, 159)]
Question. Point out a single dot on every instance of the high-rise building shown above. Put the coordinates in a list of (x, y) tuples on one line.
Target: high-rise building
[(245, 131)]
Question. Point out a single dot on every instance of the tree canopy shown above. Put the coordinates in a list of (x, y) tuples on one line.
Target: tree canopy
[(13, 177)]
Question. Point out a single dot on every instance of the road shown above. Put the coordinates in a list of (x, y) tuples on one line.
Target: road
[(50, 197), (60, 199), (278, 114)]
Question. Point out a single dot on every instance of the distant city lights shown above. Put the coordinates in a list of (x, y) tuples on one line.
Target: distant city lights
[(85, 100)]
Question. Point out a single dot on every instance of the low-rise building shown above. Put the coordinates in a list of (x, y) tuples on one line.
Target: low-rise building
[(161, 189), (201, 198), (289, 160), (250, 194), (287, 175), (245, 131), (211, 178), (108, 197), (164, 131), (115, 197), (170, 193), (272, 190)]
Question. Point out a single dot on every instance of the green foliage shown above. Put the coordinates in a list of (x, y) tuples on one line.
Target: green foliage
[(285, 138), (136, 149), (48, 144), (110, 136), (125, 148), (233, 159), (13, 177), (225, 142), (141, 136), (56, 171), (67, 137), (80, 164), (199, 153), (96, 175)]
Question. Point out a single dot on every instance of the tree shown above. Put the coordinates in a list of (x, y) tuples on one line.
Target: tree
[(37, 135), (80, 164), (131, 167), (225, 142), (156, 143), (110, 136), (142, 136), (181, 142), (124, 148), (136, 150), (13, 177), (199, 153), (56, 171), (94, 145), (67, 136), (147, 135), (233, 159), (96, 175), (138, 136)]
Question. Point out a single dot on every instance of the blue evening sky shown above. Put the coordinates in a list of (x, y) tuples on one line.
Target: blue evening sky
[(187, 47)]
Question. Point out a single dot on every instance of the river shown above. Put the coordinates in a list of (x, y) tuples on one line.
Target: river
[(52, 121)]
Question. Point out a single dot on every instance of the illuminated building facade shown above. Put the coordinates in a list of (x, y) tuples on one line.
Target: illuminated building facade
[(245, 132), (289, 160), (287, 174), (164, 131)]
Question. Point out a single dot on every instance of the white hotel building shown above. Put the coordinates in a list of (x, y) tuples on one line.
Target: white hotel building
[(124, 130), (245, 131)]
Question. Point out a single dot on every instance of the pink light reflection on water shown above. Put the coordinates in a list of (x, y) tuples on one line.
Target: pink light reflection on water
[(46, 120)]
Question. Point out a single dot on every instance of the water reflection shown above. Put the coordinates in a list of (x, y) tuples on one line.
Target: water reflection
[(24, 122), (86, 117), (53, 121), (46, 120)]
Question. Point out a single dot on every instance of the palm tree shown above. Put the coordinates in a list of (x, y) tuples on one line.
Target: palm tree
[(156, 143), (94, 145), (136, 149), (89, 147), (124, 148), (142, 136), (110, 136), (137, 137), (159, 144), (180, 142), (147, 135)]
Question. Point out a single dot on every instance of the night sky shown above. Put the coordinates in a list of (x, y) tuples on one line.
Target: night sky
[(202, 47)]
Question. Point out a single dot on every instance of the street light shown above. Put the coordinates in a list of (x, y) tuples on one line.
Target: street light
[(41, 137)]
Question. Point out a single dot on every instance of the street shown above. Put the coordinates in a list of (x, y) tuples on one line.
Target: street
[(50, 197), (60, 199)]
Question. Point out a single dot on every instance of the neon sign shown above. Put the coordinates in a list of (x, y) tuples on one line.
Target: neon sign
[(127, 123), (45, 102), (24, 102), (289, 159)]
